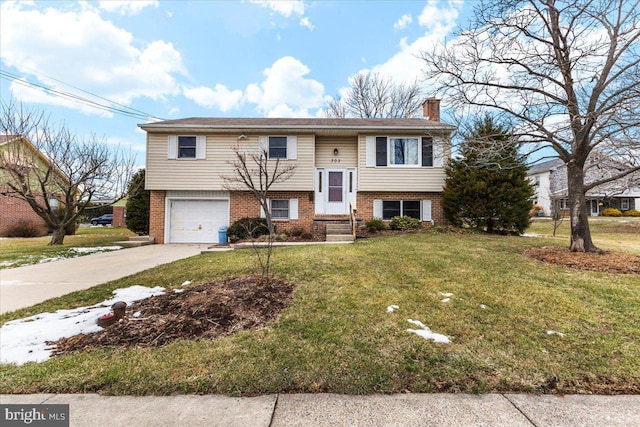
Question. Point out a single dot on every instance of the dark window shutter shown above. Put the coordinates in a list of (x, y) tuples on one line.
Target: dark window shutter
[(381, 151), (427, 151)]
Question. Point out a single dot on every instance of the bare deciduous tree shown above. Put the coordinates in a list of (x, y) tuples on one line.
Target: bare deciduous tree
[(64, 175), (255, 172), (374, 96), (567, 75)]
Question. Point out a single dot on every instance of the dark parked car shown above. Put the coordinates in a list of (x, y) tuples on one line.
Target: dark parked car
[(105, 219)]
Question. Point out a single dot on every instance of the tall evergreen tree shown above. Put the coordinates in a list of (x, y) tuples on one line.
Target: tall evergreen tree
[(487, 187), (138, 205)]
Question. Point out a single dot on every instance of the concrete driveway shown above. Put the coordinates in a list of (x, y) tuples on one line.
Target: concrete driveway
[(25, 286)]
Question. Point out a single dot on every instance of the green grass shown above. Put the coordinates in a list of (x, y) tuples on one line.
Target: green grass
[(337, 336), (621, 234), (24, 251)]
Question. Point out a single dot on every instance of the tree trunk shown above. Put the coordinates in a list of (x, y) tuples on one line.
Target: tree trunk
[(579, 211), (57, 238)]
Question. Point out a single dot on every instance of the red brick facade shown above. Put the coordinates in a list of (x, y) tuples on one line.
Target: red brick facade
[(365, 203), (156, 215), (242, 204), (118, 216), (12, 210)]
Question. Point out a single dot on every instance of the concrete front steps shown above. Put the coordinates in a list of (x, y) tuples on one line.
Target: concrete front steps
[(339, 233), (136, 241)]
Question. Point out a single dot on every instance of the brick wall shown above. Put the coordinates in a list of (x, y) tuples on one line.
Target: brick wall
[(243, 204), (118, 216), (365, 203), (156, 215), (12, 210)]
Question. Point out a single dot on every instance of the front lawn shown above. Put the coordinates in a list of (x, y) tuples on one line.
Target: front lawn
[(15, 252), (515, 324)]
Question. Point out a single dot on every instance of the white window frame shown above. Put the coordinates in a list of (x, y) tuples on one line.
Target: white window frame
[(291, 147), (390, 152), (421, 204), (173, 147), (292, 210), (564, 204), (370, 152)]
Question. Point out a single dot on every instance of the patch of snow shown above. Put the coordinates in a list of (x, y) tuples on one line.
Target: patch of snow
[(95, 249), (44, 260), (137, 314), (24, 340), (531, 235), (392, 308), (482, 306), (178, 291), (550, 332), (6, 263), (186, 283), (446, 294), (426, 333), (445, 300)]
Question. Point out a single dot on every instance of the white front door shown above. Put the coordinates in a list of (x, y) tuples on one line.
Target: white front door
[(594, 208), (334, 189)]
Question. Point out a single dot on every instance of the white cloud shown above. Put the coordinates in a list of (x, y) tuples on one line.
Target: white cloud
[(286, 91), (304, 21), (403, 22), (287, 8), (220, 97), (406, 66), (283, 7), (435, 17), (126, 7), (81, 48)]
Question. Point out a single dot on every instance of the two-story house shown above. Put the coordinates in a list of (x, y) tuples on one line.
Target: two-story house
[(550, 181), (380, 167)]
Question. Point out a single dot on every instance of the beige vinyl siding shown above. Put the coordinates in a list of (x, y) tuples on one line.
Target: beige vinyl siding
[(347, 152), (206, 174), (405, 179)]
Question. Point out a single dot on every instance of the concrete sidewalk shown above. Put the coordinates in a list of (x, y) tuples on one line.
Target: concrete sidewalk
[(25, 286), (319, 410)]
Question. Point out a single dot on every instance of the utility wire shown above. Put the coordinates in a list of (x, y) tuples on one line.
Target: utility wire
[(125, 111)]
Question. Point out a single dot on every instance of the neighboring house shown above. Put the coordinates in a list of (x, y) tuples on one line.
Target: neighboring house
[(384, 167), (550, 180), (18, 150)]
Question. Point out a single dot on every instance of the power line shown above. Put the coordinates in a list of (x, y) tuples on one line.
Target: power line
[(125, 111)]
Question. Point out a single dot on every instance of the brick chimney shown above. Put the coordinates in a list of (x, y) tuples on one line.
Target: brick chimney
[(431, 109)]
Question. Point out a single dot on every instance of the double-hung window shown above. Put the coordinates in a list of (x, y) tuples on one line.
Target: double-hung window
[(186, 147), (403, 151), (277, 147), (400, 151), (391, 208), (280, 209)]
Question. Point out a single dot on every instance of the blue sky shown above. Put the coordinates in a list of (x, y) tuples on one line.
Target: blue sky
[(176, 59)]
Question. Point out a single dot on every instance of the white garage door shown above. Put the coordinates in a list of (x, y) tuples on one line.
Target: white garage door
[(197, 221)]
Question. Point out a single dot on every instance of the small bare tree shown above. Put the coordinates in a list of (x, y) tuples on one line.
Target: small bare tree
[(61, 174), (373, 96), (255, 172), (556, 214)]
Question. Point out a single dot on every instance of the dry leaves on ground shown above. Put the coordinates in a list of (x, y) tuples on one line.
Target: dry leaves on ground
[(199, 312)]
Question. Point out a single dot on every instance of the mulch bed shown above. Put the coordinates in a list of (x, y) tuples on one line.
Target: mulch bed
[(200, 312), (608, 262)]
